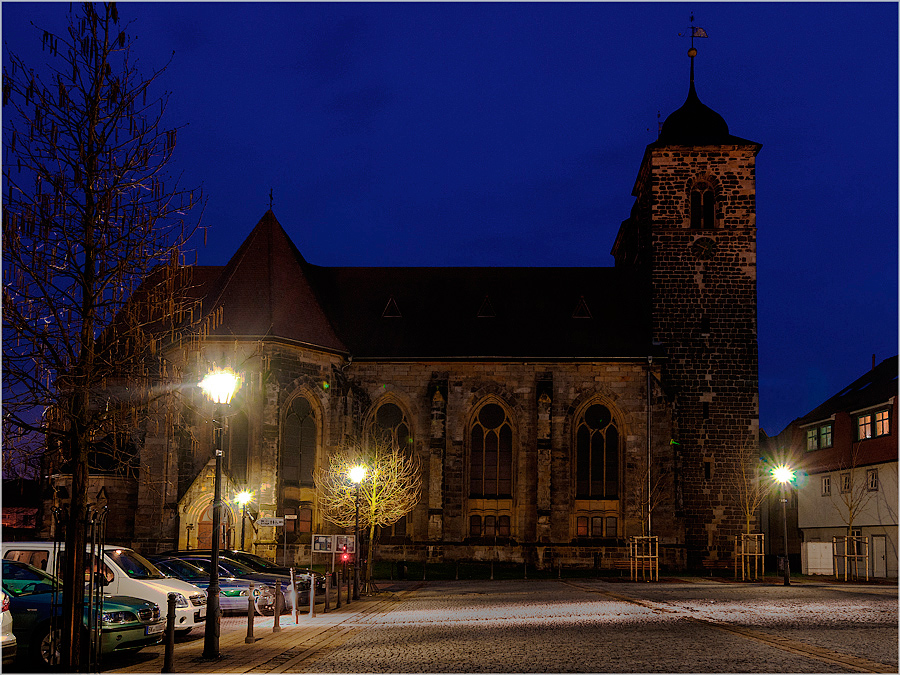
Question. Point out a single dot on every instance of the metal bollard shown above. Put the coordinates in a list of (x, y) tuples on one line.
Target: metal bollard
[(337, 604), (327, 592), (251, 613), (312, 597), (348, 586), (276, 628), (295, 597), (168, 663)]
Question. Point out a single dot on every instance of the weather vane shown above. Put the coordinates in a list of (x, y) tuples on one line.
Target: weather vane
[(696, 32), (270, 199)]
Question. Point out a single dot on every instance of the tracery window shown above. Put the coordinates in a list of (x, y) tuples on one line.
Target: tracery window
[(491, 453), (703, 207), (597, 454), (392, 425), (298, 457)]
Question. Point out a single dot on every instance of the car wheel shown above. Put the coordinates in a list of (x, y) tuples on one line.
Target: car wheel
[(47, 647)]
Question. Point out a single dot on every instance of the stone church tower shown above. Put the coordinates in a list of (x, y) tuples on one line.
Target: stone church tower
[(692, 235)]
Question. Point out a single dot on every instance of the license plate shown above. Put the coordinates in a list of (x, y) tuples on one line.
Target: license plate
[(155, 628)]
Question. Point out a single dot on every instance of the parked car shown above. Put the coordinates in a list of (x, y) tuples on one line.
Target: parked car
[(260, 564), (7, 637), (233, 592), (233, 568), (121, 572), (35, 602)]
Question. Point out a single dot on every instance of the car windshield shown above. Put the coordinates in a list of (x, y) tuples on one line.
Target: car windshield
[(235, 568), (22, 579), (183, 570), (257, 562), (135, 565)]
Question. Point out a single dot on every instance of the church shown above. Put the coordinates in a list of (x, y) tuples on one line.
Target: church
[(555, 412)]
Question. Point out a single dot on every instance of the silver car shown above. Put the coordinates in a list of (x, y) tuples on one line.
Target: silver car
[(233, 593)]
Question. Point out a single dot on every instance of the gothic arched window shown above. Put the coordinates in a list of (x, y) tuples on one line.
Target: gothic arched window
[(491, 453), (703, 207), (238, 447), (298, 456), (597, 454), (392, 426)]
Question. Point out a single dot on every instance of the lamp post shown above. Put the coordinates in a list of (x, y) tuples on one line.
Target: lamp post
[(357, 475), (242, 499), (784, 475), (219, 385)]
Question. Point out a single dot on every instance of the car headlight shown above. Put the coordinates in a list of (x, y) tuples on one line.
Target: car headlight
[(119, 617), (181, 601)]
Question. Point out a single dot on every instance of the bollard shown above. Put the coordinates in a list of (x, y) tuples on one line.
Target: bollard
[(327, 592), (337, 604), (348, 587), (276, 628), (295, 597), (312, 596), (251, 613), (168, 663)]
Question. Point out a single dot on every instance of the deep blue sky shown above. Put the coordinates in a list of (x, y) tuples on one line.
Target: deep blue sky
[(510, 134)]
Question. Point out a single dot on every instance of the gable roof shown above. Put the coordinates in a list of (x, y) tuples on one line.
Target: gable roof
[(267, 289), (874, 388)]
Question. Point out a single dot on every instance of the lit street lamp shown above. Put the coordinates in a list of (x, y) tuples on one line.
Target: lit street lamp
[(242, 499), (219, 385), (357, 475), (784, 475)]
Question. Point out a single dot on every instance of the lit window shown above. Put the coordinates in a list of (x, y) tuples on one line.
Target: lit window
[(825, 436), (882, 423), (812, 439), (872, 480), (845, 483), (826, 486), (582, 526), (863, 427)]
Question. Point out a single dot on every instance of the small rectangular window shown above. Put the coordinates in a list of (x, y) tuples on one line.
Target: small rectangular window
[(707, 469), (872, 480), (812, 439), (612, 526), (825, 436), (582, 526), (863, 427), (490, 526), (845, 483), (304, 520), (503, 526), (826, 486), (475, 526), (597, 526), (882, 423)]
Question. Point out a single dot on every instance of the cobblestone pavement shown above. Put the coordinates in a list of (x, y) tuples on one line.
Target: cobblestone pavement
[(555, 626)]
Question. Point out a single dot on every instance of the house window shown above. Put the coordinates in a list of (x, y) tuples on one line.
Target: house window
[(863, 427), (703, 207), (490, 471), (826, 486), (812, 439), (298, 457), (612, 525), (597, 526), (825, 436), (489, 526), (872, 480), (845, 483), (882, 423), (581, 526), (597, 454), (475, 526)]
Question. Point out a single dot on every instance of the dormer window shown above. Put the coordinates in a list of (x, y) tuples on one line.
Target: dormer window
[(703, 207)]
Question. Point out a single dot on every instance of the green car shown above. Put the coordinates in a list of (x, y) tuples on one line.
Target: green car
[(35, 598)]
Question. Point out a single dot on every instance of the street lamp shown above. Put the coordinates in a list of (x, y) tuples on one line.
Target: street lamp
[(242, 499), (784, 475), (219, 385), (357, 475)]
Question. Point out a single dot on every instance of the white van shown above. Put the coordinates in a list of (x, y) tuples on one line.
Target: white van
[(124, 573)]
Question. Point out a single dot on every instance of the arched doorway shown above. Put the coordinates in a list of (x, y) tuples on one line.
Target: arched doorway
[(204, 528)]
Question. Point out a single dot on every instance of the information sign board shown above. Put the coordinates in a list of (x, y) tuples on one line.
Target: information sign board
[(270, 522)]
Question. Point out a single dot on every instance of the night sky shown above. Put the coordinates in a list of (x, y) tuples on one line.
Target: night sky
[(510, 134)]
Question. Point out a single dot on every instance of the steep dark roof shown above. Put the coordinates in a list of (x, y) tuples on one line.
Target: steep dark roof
[(695, 123), (267, 289), (873, 388)]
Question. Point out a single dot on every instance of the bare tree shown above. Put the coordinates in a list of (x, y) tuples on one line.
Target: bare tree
[(391, 488), (751, 484), (649, 492), (93, 277)]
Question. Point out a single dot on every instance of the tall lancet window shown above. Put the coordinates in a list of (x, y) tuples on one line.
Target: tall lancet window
[(298, 457), (597, 454), (491, 453), (703, 207)]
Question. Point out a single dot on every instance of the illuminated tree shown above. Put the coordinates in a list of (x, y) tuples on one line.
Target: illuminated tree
[(751, 482), (390, 489), (94, 285)]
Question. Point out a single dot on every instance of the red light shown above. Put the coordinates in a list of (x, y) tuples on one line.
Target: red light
[(5, 602)]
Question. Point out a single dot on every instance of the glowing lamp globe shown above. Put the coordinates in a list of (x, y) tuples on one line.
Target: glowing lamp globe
[(243, 498), (220, 385), (357, 474), (783, 474)]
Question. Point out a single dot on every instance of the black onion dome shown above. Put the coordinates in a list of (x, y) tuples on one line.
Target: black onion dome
[(695, 123)]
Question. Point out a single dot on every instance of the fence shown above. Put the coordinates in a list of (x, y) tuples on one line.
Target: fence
[(749, 556), (848, 553), (643, 552)]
